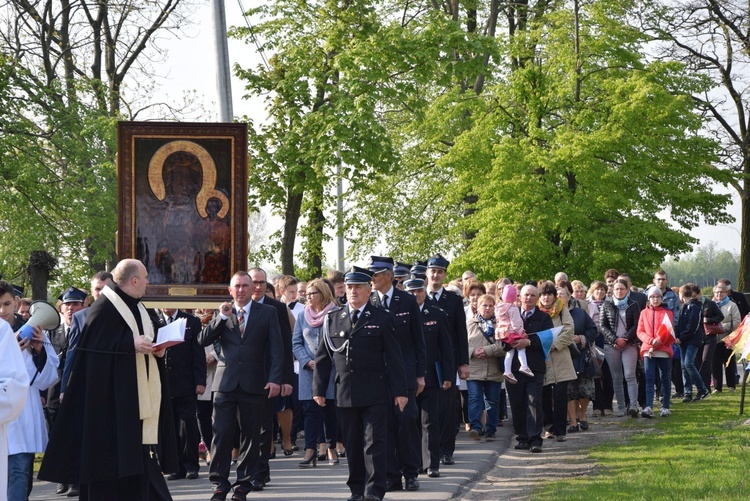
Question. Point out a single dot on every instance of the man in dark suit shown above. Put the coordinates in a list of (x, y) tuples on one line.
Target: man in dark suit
[(100, 280), (438, 354), (247, 339), (281, 404), (453, 306), (186, 372), (736, 297), (360, 340), (403, 432), (526, 395)]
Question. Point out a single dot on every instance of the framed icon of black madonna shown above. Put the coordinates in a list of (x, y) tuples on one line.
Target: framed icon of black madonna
[(182, 207)]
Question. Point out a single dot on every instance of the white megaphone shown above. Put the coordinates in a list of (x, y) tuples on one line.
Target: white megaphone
[(42, 314)]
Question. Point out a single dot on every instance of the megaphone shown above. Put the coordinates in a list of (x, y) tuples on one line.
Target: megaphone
[(42, 314)]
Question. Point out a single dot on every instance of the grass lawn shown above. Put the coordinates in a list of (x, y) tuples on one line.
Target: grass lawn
[(702, 451)]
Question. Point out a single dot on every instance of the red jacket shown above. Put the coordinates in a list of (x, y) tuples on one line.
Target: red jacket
[(648, 323)]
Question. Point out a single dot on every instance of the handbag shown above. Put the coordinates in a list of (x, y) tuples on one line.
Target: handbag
[(585, 365), (713, 329), (574, 351)]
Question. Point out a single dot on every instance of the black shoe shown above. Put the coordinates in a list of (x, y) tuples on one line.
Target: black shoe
[(490, 437), (267, 480), (219, 495), (433, 473), (448, 460), (536, 448), (522, 446), (309, 463), (584, 425), (62, 489), (702, 395), (257, 485), (572, 429), (74, 492), (176, 476), (393, 485), (240, 494), (412, 484), (191, 475), (355, 497), (688, 398), (370, 497)]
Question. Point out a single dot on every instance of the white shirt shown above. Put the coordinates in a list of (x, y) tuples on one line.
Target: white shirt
[(390, 296), (28, 432), (14, 391)]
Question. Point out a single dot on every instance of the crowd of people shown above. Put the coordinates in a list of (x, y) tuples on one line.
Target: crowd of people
[(380, 365)]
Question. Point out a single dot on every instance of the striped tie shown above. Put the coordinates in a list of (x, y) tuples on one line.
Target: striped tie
[(241, 320)]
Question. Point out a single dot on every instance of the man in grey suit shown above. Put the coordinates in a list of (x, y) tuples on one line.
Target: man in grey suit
[(247, 340)]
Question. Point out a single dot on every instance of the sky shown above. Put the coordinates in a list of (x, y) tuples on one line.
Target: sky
[(191, 66)]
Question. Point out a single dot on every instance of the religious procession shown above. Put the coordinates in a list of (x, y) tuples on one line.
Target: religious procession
[(380, 368)]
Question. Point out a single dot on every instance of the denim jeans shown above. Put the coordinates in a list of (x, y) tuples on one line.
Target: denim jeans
[(19, 469), (690, 374), (483, 393), (664, 365)]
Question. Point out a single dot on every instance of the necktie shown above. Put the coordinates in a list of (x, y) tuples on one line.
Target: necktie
[(355, 317), (433, 295), (526, 315), (241, 320), (385, 301)]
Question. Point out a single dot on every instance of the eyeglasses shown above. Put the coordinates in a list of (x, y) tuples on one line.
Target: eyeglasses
[(311, 294)]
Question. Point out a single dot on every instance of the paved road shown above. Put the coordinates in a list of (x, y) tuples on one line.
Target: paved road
[(289, 482)]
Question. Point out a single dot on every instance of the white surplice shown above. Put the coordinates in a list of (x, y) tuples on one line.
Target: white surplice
[(14, 388)]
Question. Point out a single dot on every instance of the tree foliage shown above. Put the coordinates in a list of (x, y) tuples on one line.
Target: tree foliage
[(704, 267), (68, 71), (712, 39), (577, 154)]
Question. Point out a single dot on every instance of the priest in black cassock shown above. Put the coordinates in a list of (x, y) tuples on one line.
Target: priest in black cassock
[(113, 434)]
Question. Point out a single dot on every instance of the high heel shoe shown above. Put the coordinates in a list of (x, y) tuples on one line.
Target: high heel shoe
[(288, 452), (333, 458), (312, 462)]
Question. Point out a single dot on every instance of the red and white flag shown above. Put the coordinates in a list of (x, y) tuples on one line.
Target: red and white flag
[(665, 332)]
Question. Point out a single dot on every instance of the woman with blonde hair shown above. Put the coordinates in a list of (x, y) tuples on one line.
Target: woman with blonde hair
[(319, 422)]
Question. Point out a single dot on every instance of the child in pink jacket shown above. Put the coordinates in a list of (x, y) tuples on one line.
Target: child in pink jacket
[(509, 330)]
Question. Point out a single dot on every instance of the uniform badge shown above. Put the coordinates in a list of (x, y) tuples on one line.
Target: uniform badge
[(342, 334)]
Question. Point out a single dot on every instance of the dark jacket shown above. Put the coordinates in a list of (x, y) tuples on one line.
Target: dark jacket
[(453, 306), (370, 371), (282, 311), (251, 360), (439, 350), (537, 322), (690, 326), (711, 312), (186, 362), (405, 311), (609, 318)]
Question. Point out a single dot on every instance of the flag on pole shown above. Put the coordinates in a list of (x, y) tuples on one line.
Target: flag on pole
[(548, 337), (665, 332), (737, 340)]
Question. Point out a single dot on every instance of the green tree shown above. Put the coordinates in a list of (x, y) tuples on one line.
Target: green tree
[(337, 73), (68, 71), (712, 38), (581, 155)]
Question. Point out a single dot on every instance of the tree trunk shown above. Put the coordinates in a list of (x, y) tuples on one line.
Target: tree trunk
[(743, 278), (41, 264), (291, 222)]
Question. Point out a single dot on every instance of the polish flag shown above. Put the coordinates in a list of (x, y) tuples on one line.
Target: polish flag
[(665, 332)]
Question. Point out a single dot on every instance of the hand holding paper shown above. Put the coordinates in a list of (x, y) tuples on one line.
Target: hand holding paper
[(171, 334)]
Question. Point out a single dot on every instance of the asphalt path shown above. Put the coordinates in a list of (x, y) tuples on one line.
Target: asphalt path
[(289, 482)]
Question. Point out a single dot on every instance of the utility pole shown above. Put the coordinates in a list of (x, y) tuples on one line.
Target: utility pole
[(223, 76)]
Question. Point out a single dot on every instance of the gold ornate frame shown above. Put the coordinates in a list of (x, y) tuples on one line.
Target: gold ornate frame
[(182, 207)]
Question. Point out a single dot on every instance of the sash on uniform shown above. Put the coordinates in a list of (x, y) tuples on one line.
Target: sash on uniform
[(149, 384)]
